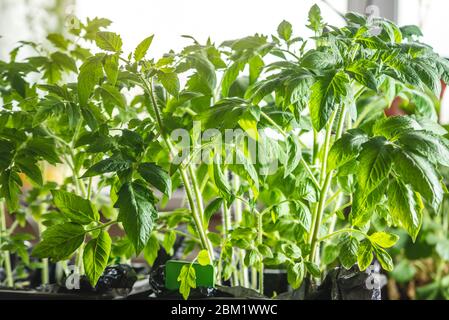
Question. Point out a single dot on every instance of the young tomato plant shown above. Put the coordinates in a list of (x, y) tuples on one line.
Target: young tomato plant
[(310, 163), (361, 165)]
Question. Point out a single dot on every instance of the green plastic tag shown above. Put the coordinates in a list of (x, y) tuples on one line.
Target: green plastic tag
[(205, 275)]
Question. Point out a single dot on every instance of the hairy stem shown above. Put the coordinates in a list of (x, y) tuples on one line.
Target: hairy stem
[(259, 242), (327, 180), (6, 256), (45, 276), (346, 230), (315, 147), (243, 270), (197, 216)]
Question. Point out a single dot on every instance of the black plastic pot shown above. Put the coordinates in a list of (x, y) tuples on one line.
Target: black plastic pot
[(116, 282), (339, 284)]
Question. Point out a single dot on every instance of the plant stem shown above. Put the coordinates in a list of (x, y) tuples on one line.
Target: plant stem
[(327, 143), (197, 220), (327, 181), (45, 272), (342, 207), (184, 176), (238, 219), (346, 230), (253, 278), (315, 147), (196, 189), (199, 201), (45, 277), (259, 242), (89, 189), (226, 227), (319, 216), (6, 256), (225, 216), (333, 197), (79, 259), (102, 226)]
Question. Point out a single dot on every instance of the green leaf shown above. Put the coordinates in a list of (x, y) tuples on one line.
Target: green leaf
[(206, 74), (364, 255), (250, 170), (384, 239), (187, 279), (372, 42), (156, 176), (90, 74), (256, 65), (112, 95), (221, 182), (137, 213), (151, 250), (375, 163), (313, 269), (213, 207), (291, 250), (230, 75), (384, 259), (252, 257), (295, 274), (392, 127), (317, 60), (364, 203), (411, 30), (315, 20), (113, 164), (45, 148), (7, 154), (285, 30), (426, 145), (60, 241), (418, 172), (361, 70), (96, 256), (142, 48), (348, 252), (301, 212), (133, 140), (346, 149), (293, 155), (109, 41), (169, 241), (428, 75), (111, 68), (58, 40), (260, 89), (64, 61), (94, 25), (327, 93), (404, 209), (265, 250), (248, 123), (10, 184), (203, 258), (170, 82), (75, 208), (330, 253), (30, 168)]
